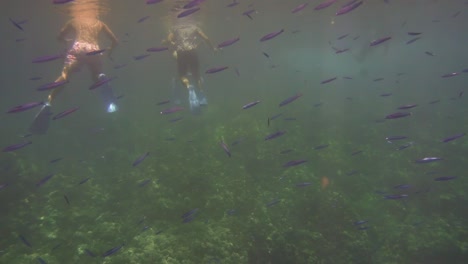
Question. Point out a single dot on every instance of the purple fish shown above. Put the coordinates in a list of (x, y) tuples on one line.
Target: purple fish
[(25, 241), (414, 33), (427, 160), (248, 12), (142, 19), (412, 40), (171, 110), (46, 58), (65, 113), (157, 49), (24, 107), (16, 146), (325, 4), (44, 180), (16, 24), (163, 102), (275, 135), (290, 99), (395, 196), (299, 8), (271, 35), (3, 186), (457, 136), (140, 159), (294, 163), (59, 2), (140, 57), (303, 184), (348, 8), (328, 80), (112, 251), (95, 52), (52, 85), (348, 3), (379, 41), (445, 178), (397, 115), (101, 82), (393, 138), (228, 42), (188, 12), (192, 3), (408, 106), (225, 148), (247, 106), (150, 2), (448, 75), (273, 202), (216, 69), (319, 147)]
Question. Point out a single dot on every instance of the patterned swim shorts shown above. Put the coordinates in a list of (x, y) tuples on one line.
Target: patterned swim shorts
[(78, 51)]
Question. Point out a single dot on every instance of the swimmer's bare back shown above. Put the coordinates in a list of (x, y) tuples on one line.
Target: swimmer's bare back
[(86, 30)]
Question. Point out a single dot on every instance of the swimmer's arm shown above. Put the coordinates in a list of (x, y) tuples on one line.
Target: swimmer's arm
[(66, 29), (111, 36), (170, 39), (206, 39)]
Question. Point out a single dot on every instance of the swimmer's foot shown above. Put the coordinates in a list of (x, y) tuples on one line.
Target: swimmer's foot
[(193, 99), (202, 98), (108, 95), (41, 121)]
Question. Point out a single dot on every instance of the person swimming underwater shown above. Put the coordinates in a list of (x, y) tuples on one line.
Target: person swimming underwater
[(86, 28), (184, 40)]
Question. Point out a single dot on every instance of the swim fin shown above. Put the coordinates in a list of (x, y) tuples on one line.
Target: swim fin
[(193, 99), (41, 121), (108, 95)]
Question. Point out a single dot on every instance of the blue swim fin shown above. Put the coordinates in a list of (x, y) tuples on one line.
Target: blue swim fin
[(108, 95), (41, 121)]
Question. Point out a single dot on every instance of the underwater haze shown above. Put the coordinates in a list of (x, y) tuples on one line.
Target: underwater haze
[(321, 131)]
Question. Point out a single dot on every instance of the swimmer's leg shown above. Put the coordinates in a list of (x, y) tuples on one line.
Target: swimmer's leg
[(40, 124), (107, 94)]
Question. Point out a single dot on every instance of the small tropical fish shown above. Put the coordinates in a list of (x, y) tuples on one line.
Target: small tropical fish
[(299, 8), (414, 33), (24, 107), (112, 251), (66, 199), (412, 40), (65, 113), (402, 186), (55, 160), (429, 53), (273, 202), (360, 222), (41, 261), (140, 159), (144, 183), (275, 135), (457, 136), (44, 180), (157, 49), (294, 163), (397, 115), (95, 52), (271, 35), (286, 151), (408, 106), (445, 178), (47, 58), (348, 8), (393, 138), (379, 41), (16, 24), (448, 75), (89, 253), (328, 80), (319, 147), (16, 146), (163, 102), (290, 99), (171, 110), (216, 69), (25, 241), (59, 2), (101, 82), (428, 160), (249, 105), (188, 12), (228, 42), (325, 4), (52, 85), (395, 196), (140, 57), (303, 184), (405, 146), (142, 19), (84, 181), (225, 148)]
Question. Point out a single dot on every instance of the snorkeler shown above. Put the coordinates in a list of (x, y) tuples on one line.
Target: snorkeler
[(184, 40), (86, 28)]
